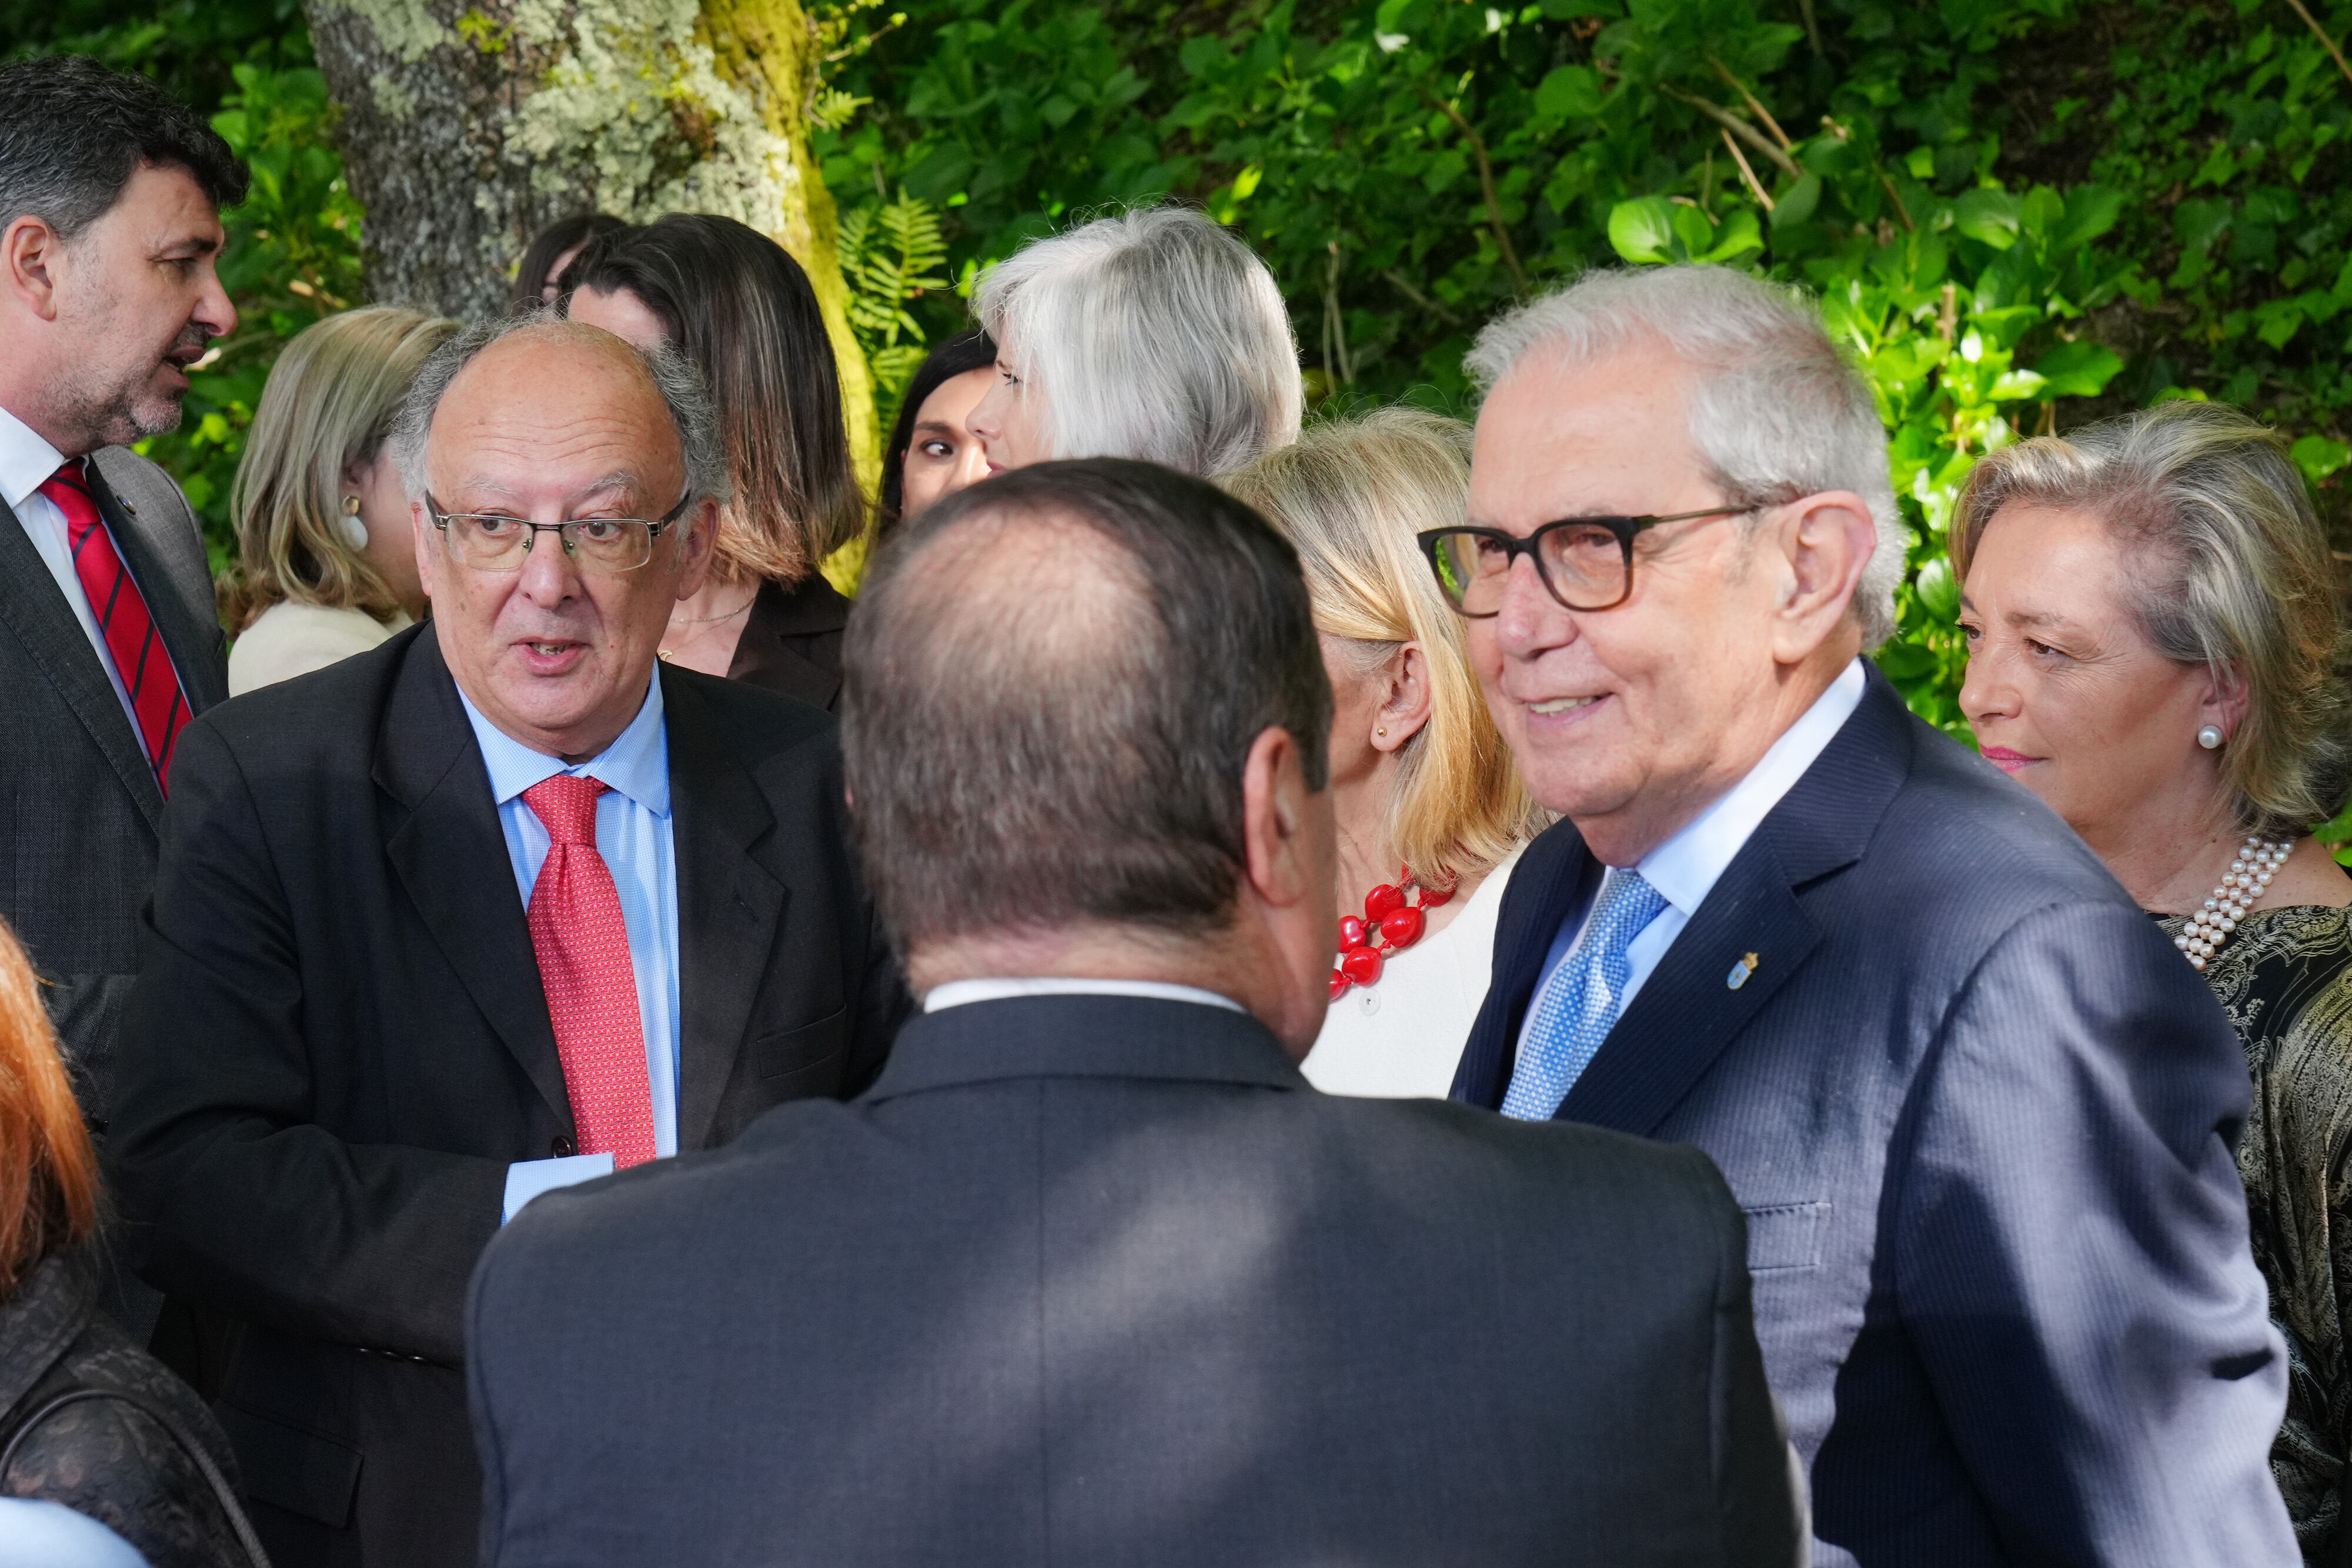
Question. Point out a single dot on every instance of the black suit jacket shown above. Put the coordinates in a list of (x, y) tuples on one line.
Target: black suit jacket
[(792, 642), (339, 1042), (84, 811), (1981, 1117), (1098, 1279)]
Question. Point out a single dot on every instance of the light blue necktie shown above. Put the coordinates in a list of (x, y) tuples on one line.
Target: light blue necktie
[(1581, 1001)]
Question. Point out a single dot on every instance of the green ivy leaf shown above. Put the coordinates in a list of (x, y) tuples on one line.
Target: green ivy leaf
[(2078, 369), (1799, 203), (2318, 456), (1939, 595), (1570, 92), (1643, 230), (1990, 217)]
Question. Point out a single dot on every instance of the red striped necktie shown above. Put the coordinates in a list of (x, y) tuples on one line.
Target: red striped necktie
[(122, 619)]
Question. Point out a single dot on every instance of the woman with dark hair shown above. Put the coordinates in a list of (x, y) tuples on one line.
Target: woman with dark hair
[(539, 278), (88, 1420), (732, 301), (933, 452)]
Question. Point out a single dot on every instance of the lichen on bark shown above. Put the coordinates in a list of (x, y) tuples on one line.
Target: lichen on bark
[(469, 125)]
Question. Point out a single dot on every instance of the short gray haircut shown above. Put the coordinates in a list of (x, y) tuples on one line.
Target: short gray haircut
[(1777, 414), (1155, 334), (673, 374)]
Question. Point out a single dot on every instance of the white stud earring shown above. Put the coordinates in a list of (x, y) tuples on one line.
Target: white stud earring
[(356, 532), (2210, 739)]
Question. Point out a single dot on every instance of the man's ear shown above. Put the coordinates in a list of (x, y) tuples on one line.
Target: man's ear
[(1825, 542), (30, 254), (1274, 806)]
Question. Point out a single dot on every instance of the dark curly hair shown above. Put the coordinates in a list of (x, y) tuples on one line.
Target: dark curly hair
[(73, 133)]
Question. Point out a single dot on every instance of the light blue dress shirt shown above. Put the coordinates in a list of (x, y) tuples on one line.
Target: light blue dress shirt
[(1685, 868), (633, 834)]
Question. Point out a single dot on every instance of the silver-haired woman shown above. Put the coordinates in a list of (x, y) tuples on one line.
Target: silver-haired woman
[(1156, 334), (2153, 629)]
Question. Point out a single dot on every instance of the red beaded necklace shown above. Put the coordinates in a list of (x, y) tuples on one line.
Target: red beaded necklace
[(1389, 924)]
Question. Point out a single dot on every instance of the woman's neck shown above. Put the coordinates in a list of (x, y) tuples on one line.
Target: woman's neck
[(705, 627), (1367, 859), (2170, 862)]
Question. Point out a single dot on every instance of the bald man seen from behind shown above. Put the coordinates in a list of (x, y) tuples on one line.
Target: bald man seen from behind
[(1091, 1275), (505, 904)]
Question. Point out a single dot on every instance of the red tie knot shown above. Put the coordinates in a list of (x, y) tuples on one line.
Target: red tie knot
[(70, 476), (567, 805)]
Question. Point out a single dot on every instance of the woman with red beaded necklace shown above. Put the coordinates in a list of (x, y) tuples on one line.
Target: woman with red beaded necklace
[(1432, 815)]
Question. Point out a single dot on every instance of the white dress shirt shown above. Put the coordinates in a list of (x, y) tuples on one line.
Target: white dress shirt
[(1685, 868), (26, 461), (958, 993)]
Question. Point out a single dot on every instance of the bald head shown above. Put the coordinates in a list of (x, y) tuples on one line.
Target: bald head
[(1051, 687)]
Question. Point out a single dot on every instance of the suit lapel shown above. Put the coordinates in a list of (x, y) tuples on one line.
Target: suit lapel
[(201, 682), (451, 856), (730, 900), (1690, 1010), (33, 608)]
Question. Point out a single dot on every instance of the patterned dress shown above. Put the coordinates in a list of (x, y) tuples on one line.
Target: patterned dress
[(2285, 979)]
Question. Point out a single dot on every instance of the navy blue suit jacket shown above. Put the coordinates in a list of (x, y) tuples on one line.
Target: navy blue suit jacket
[(1981, 1117)]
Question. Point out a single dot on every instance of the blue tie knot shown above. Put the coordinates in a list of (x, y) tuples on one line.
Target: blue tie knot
[(1580, 1001)]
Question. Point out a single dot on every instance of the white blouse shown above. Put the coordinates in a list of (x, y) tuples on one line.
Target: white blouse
[(1402, 1038), (288, 640)]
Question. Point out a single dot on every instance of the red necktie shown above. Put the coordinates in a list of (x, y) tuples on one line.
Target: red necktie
[(583, 966), (122, 620)]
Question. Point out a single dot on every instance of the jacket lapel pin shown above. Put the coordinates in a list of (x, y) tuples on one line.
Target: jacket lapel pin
[(1740, 972)]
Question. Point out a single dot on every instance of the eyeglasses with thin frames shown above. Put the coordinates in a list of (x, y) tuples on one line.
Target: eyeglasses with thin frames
[(1584, 564), (498, 541)]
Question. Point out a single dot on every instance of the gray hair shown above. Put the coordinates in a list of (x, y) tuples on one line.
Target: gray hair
[(1155, 334), (1777, 414), (703, 451), (2227, 567)]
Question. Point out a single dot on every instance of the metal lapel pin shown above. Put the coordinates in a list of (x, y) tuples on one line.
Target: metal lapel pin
[(1740, 971)]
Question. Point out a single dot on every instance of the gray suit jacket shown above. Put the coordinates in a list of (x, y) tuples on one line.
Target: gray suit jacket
[(1099, 1280), (82, 808)]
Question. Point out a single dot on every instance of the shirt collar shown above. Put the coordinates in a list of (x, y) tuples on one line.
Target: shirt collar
[(1685, 868), (636, 765), (955, 993), (26, 460)]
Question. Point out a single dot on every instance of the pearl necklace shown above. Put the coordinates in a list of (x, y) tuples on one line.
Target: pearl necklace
[(2248, 878)]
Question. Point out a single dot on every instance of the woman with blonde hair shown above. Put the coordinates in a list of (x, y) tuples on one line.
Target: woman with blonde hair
[(1432, 814), (88, 1420), (326, 551), (2154, 635)]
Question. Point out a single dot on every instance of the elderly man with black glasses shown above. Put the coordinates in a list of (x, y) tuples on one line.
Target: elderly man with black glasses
[(508, 902), (1980, 1114)]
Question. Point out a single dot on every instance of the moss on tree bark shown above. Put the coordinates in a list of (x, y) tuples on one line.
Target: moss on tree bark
[(470, 124)]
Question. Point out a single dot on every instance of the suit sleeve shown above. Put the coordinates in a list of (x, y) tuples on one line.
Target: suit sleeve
[(237, 1197), (2072, 1258), (1758, 1489)]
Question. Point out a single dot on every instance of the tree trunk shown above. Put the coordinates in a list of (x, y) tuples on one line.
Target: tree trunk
[(469, 125)]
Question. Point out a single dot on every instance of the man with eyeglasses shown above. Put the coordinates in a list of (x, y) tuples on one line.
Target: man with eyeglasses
[(507, 904), (1980, 1114)]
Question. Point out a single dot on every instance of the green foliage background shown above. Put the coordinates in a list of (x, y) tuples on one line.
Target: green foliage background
[(2018, 214)]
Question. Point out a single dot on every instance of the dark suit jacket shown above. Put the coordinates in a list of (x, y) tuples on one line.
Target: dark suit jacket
[(338, 1041), (1981, 1116), (83, 809), (1096, 1279), (791, 643)]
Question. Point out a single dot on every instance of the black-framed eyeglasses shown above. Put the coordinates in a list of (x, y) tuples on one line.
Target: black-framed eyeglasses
[(1586, 563), (499, 541)]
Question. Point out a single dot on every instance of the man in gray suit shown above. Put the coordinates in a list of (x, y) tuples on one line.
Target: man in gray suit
[(1090, 1275), (109, 199)]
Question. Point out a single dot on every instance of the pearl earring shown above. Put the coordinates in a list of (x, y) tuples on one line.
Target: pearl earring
[(356, 532), (2210, 739), (1383, 729)]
